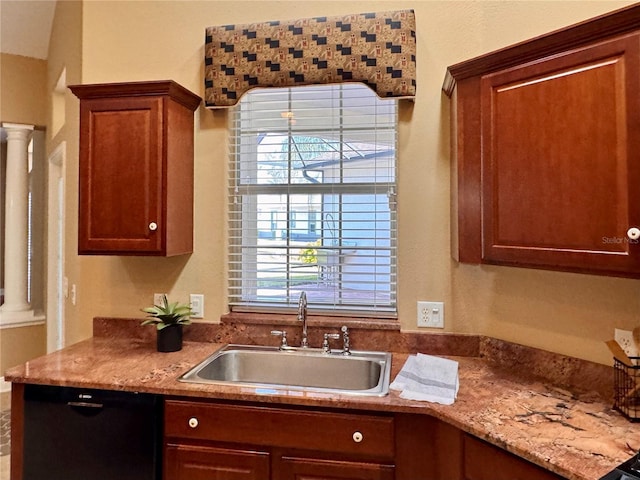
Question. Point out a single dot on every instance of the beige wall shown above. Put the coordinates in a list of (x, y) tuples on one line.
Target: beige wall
[(22, 89), (23, 100), (25, 96), (566, 313), (20, 345), (65, 55)]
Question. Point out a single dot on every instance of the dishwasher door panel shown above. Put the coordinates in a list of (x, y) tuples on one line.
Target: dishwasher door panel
[(85, 434)]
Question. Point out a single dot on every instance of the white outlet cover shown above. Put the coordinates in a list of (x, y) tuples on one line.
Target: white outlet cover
[(625, 339), (197, 305), (430, 314), (157, 298)]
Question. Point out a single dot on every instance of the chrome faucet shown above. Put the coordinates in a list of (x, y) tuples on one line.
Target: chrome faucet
[(283, 338), (346, 350), (326, 348), (302, 316)]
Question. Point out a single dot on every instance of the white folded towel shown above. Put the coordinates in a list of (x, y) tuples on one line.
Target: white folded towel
[(425, 377)]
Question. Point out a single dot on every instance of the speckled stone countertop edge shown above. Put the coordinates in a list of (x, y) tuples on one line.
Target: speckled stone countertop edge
[(576, 435)]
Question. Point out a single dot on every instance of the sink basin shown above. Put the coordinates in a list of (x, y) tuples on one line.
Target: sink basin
[(361, 373)]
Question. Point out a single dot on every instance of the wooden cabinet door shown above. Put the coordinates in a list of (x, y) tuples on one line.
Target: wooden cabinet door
[(184, 462), (295, 468), (561, 160), (121, 175), (136, 168), (486, 462)]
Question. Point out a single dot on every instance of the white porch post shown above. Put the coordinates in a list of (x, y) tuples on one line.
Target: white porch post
[(16, 308)]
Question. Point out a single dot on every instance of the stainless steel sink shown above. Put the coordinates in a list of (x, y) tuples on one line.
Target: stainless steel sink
[(361, 373)]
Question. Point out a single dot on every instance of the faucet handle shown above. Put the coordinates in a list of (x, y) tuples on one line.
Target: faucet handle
[(283, 335), (325, 343), (345, 340)]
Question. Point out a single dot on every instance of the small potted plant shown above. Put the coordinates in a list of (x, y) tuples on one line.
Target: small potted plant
[(168, 319)]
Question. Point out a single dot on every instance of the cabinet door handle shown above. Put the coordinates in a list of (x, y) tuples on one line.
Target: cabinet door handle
[(358, 437), (193, 422), (153, 226), (633, 233)]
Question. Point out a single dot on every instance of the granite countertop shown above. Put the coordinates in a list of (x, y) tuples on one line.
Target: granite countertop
[(576, 435)]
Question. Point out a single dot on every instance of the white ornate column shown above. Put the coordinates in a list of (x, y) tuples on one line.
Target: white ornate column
[(16, 308)]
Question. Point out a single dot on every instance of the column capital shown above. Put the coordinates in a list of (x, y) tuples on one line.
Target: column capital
[(18, 126), (19, 132)]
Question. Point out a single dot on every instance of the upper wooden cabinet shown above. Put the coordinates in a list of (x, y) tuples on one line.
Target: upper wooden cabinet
[(546, 150), (136, 168)]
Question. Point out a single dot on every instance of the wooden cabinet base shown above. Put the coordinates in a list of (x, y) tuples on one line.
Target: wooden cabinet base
[(244, 441), (483, 461)]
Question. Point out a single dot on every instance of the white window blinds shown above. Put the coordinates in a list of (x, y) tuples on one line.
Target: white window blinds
[(312, 200)]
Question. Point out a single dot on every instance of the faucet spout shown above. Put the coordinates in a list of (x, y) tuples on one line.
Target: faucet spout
[(302, 317)]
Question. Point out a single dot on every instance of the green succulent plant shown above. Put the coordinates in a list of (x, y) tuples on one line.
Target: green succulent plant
[(167, 314)]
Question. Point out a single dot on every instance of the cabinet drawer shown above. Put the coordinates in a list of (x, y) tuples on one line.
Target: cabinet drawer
[(314, 469), (202, 463), (367, 435)]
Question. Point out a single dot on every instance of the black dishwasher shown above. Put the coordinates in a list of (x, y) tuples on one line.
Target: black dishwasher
[(86, 434)]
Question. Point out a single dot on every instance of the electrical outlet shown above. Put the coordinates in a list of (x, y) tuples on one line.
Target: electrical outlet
[(431, 314), (157, 298), (625, 339), (197, 305)]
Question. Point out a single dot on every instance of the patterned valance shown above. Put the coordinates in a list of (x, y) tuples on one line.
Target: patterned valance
[(378, 49)]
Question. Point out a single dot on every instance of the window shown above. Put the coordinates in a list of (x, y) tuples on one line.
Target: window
[(312, 200)]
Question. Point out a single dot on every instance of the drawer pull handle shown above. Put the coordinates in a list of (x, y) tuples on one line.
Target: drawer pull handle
[(153, 226), (633, 233), (193, 422), (357, 437)]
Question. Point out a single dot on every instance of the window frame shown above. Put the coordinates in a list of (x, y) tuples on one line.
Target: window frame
[(239, 191)]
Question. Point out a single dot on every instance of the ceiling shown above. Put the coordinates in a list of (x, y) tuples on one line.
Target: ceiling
[(25, 27)]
